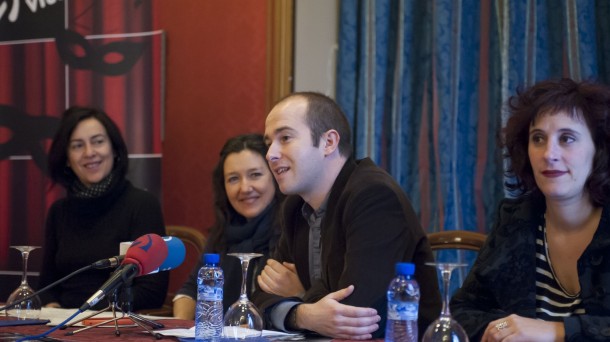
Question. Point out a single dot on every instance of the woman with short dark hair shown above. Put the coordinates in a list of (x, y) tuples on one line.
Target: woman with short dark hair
[(88, 157)]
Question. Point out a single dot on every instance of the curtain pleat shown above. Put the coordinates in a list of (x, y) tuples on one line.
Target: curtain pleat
[(32, 191), (424, 84), (6, 94)]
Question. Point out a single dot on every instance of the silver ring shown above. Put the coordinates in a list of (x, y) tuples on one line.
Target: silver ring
[(501, 325)]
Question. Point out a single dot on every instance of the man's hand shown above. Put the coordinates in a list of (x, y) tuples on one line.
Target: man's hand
[(517, 328), (330, 318), (281, 279)]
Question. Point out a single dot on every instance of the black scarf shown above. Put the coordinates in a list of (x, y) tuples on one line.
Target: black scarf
[(98, 199), (244, 236), (80, 190)]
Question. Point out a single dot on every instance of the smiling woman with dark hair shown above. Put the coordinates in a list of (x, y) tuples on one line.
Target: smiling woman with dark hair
[(246, 200), (88, 157)]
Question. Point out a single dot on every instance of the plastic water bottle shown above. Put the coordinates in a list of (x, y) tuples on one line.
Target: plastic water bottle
[(208, 313), (403, 305)]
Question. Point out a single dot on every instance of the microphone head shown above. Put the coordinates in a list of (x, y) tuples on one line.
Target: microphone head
[(147, 252), (175, 253)]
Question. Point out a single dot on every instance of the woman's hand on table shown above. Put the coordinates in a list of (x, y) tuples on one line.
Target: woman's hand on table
[(517, 328)]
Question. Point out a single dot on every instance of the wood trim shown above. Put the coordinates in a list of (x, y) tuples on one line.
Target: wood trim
[(280, 50), (457, 239)]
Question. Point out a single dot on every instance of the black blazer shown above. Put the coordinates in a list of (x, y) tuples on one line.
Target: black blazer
[(502, 280), (369, 225)]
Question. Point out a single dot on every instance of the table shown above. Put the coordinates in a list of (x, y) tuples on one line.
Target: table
[(135, 334), (100, 334)]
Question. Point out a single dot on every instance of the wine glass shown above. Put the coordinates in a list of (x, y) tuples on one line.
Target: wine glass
[(243, 320), (30, 308), (445, 328)]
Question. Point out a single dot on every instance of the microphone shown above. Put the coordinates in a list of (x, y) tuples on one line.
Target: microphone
[(109, 262), (175, 254), (144, 255)]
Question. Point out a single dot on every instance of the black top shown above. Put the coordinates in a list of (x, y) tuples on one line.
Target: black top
[(502, 280), (258, 235), (80, 231), (368, 227)]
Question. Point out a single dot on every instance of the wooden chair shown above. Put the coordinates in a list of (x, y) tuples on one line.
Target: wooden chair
[(461, 242), (457, 239), (194, 242)]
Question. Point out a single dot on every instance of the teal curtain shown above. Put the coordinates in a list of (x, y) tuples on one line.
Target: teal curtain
[(424, 84)]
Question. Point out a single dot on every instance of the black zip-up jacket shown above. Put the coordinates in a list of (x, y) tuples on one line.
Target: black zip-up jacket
[(503, 278)]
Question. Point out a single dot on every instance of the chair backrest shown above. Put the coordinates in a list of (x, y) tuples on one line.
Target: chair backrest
[(456, 245), (188, 235), (194, 243), (457, 239)]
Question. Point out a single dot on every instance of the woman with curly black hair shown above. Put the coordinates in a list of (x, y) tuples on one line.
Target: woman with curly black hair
[(544, 273)]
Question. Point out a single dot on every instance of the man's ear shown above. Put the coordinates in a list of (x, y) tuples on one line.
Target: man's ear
[(330, 140)]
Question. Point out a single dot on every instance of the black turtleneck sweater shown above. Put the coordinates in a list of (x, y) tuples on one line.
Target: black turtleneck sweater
[(80, 231)]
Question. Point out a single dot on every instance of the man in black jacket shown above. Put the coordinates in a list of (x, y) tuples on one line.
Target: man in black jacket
[(345, 224)]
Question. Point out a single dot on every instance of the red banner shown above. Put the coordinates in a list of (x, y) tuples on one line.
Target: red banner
[(55, 54)]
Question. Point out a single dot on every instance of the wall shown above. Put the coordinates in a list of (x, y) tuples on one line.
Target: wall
[(315, 45), (215, 88)]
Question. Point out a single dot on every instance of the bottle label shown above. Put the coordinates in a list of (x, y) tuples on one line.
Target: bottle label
[(211, 293), (402, 310)]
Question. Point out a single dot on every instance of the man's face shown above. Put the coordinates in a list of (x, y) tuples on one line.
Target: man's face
[(296, 164)]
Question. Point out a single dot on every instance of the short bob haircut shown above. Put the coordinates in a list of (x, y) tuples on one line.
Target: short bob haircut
[(585, 100), (223, 211), (323, 114), (58, 154)]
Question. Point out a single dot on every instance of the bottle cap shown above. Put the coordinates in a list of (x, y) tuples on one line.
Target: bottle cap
[(210, 258), (405, 268)]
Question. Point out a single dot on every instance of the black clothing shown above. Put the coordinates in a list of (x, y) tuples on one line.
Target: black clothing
[(502, 280), (80, 231), (368, 227), (255, 236)]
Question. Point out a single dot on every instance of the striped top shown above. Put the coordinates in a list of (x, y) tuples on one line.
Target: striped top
[(553, 302)]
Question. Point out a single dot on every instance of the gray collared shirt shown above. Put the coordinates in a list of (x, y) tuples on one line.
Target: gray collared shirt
[(314, 220)]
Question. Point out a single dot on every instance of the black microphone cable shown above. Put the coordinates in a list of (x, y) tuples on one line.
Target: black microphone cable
[(10, 305), (100, 264), (60, 325)]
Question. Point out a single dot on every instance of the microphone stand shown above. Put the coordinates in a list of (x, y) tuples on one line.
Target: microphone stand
[(113, 306), (139, 320)]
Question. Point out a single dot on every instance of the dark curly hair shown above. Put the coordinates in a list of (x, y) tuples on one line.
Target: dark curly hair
[(223, 211), (587, 100), (58, 153)]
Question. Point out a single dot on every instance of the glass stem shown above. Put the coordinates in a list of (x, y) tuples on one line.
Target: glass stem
[(244, 274), (446, 273), (25, 256)]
